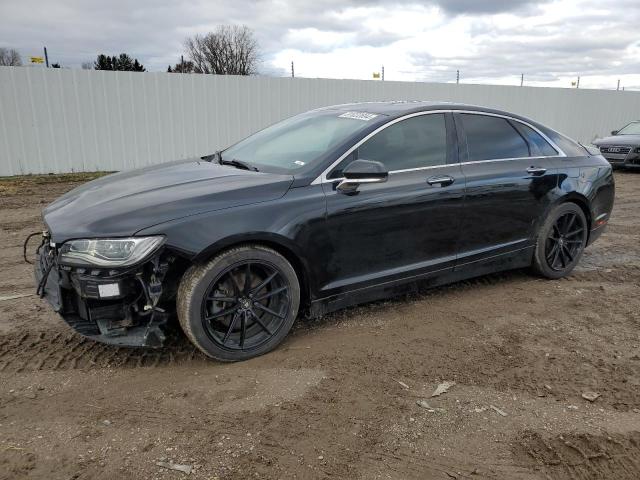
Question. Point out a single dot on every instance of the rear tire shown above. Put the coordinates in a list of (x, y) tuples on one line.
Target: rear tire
[(561, 241), (240, 304)]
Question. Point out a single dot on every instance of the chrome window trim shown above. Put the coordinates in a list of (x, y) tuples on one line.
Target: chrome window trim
[(322, 178), (416, 169), (473, 162)]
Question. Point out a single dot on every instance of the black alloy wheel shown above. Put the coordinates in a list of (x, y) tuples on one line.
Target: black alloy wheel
[(245, 305), (239, 304), (565, 240), (561, 241)]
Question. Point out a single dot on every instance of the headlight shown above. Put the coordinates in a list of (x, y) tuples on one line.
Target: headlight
[(109, 252)]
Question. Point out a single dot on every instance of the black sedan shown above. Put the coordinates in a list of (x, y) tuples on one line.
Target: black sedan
[(330, 208)]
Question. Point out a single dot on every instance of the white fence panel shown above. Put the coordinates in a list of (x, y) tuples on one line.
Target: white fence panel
[(57, 120)]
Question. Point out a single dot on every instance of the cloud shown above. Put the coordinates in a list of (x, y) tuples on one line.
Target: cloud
[(487, 40), (459, 7)]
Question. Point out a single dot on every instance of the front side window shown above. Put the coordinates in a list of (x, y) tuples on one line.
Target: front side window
[(492, 138), (412, 143)]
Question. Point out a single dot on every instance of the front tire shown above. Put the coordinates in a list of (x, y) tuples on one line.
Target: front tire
[(561, 241), (240, 304)]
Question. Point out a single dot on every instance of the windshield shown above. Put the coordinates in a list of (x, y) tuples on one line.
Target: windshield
[(631, 129), (299, 141)]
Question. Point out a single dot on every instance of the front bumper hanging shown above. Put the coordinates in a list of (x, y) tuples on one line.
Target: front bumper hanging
[(109, 306)]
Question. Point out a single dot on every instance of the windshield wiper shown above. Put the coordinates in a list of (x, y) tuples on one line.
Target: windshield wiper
[(237, 164), (217, 157)]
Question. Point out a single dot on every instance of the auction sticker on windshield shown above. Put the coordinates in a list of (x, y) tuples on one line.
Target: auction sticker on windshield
[(358, 115)]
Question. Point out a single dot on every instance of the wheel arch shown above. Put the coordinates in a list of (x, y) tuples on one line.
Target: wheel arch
[(280, 244), (572, 197), (583, 203)]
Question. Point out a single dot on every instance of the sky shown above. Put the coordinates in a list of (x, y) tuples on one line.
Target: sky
[(550, 42)]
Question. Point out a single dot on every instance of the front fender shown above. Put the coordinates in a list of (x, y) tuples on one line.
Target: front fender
[(294, 225)]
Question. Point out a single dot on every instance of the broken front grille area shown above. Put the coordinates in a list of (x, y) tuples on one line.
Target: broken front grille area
[(120, 306), (89, 313), (77, 294)]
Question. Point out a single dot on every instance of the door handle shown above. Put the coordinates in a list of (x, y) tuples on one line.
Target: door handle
[(442, 180), (536, 170)]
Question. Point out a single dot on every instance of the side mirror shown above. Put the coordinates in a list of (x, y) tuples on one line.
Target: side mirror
[(362, 171), (614, 132)]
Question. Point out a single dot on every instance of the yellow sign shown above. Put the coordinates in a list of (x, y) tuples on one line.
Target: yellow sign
[(376, 75), (37, 60)]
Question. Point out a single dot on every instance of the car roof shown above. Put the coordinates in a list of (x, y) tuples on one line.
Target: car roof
[(403, 107)]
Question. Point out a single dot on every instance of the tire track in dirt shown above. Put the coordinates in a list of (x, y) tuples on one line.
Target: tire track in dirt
[(65, 350), (582, 456), (55, 349), (619, 275), (51, 350)]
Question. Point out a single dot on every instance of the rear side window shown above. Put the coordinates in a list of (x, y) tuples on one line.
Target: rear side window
[(539, 146), (492, 138)]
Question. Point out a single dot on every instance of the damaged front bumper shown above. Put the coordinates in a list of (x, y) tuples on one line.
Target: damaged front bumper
[(118, 307)]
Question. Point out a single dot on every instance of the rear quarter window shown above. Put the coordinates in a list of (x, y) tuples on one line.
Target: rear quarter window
[(568, 146), (539, 146)]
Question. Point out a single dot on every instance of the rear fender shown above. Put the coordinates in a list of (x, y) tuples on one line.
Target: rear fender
[(593, 190)]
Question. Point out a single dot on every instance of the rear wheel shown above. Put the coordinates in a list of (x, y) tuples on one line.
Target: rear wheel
[(561, 241), (240, 304)]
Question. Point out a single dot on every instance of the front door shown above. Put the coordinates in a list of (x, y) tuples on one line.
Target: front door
[(405, 227)]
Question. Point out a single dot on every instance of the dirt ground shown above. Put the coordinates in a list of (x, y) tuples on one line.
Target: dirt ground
[(339, 399)]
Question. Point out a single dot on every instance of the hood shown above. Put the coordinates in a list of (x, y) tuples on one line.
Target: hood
[(123, 203), (630, 140)]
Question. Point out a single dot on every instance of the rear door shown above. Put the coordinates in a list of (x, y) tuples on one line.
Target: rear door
[(407, 226), (510, 176)]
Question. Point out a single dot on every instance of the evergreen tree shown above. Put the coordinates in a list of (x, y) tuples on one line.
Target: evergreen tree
[(103, 62), (123, 62), (137, 66)]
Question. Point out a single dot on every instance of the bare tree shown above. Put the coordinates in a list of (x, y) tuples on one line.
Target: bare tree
[(228, 50), (87, 65), (10, 57)]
